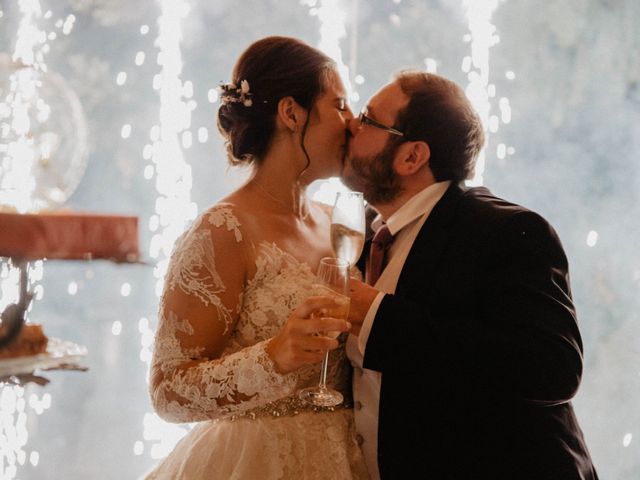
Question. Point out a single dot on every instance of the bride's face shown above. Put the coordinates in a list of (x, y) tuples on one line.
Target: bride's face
[(326, 137)]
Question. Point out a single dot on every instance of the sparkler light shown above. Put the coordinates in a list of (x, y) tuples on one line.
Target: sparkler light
[(42, 125), (481, 37), (332, 18), (174, 208), (26, 147)]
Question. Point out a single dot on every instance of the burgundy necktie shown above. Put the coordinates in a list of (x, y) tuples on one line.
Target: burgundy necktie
[(380, 244)]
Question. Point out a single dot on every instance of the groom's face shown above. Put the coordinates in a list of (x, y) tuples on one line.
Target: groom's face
[(369, 165)]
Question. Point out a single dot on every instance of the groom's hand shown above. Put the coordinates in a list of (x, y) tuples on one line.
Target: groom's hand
[(362, 296)]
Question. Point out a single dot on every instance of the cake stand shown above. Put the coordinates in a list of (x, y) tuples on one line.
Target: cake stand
[(61, 236)]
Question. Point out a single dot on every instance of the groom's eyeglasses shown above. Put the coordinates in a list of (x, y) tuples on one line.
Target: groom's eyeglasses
[(366, 120)]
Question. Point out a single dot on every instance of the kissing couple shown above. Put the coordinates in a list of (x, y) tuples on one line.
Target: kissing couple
[(461, 352)]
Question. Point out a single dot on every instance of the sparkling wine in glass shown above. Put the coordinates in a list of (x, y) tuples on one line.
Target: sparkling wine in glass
[(333, 280), (348, 226)]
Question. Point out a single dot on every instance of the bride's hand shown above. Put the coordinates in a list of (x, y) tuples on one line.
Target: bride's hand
[(298, 343)]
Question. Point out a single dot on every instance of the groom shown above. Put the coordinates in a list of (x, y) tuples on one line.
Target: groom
[(468, 336)]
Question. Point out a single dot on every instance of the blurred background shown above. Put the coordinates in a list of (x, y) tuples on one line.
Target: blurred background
[(125, 120)]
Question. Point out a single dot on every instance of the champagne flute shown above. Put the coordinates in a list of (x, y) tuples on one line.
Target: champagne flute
[(348, 226), (333, 280)]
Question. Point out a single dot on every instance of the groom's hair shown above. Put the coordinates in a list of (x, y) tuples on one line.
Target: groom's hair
[(273, 68), (440, 114)]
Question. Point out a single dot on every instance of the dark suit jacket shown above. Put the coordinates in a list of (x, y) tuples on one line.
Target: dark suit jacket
[(479, 350)]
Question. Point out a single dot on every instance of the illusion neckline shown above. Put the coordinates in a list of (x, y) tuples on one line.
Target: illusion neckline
[(273, 246)]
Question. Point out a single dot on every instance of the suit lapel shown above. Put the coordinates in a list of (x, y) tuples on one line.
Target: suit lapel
[(430, 242)]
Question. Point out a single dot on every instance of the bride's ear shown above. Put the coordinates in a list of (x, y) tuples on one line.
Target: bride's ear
[(290, 113)]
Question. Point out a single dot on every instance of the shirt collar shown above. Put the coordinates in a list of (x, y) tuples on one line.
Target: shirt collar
[(420, 204)]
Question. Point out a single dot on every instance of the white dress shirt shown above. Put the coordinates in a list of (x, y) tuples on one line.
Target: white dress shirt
[(404, 225)]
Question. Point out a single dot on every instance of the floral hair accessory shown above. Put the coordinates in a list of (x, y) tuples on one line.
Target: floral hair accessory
[(230, 93)]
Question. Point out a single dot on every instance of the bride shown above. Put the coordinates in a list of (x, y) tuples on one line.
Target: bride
[(235, 340)]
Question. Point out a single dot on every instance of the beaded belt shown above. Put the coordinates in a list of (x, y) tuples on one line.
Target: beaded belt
[(287, 407)]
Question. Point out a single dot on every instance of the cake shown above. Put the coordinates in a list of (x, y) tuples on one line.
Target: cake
[(69, 235), (30, 341)]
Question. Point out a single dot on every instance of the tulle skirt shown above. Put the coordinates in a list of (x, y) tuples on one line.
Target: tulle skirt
[(310, 445)]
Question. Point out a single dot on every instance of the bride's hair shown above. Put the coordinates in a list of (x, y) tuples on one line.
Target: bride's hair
[(273, 68)]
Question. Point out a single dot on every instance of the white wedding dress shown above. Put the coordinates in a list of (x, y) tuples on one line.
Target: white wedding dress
[(250, 422)]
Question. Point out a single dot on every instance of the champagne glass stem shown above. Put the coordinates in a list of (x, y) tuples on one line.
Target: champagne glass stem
[(323, 372), (333, 275)]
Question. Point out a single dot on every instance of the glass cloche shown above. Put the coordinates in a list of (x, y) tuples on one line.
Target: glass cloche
[(43, 138)]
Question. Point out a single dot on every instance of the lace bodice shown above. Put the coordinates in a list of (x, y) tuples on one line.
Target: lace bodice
[(209, 359)]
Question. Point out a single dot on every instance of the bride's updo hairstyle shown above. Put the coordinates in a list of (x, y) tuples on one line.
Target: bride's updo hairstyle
[(269, 70)]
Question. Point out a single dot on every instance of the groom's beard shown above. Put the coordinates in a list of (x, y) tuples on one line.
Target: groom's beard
[(374, 176)]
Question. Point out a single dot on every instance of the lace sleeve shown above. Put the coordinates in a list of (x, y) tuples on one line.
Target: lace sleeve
[(191, 379)]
